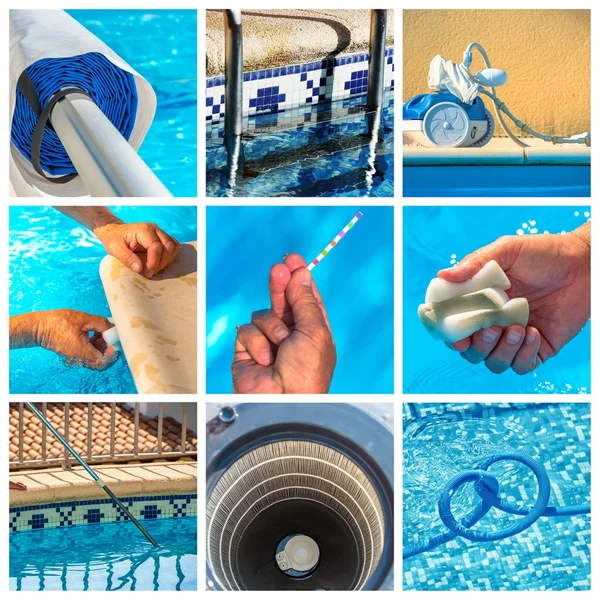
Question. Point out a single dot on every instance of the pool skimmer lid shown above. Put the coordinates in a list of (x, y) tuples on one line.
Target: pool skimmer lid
[(297, 555)]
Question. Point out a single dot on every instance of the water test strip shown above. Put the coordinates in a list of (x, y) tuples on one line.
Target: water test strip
[(334, 242)]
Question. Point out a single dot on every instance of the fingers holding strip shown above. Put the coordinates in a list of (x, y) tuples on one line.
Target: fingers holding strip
[(271, 326), (252, 343)]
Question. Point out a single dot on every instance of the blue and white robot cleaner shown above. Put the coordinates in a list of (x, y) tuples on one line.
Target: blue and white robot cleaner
[(454, 116)]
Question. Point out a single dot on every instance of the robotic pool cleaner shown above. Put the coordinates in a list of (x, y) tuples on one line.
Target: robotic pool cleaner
[(454, 116)]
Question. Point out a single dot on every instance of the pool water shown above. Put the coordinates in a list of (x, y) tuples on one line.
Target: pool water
[(546, 181), (161, 45), (53, 263), (440, 440), (112, 556), (433, 237), (315, 159), (356, 280)]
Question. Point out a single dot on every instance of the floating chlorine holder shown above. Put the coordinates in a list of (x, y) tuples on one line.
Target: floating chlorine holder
[(453, 311)]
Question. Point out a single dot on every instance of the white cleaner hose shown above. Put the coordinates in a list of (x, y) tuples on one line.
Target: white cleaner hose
[(500, 107)]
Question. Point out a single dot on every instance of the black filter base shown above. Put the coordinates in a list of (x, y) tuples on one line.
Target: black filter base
[(339, 563)]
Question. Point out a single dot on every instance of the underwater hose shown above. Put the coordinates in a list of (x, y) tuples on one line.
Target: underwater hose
[(487, 487), (500, 107), (90, 472)]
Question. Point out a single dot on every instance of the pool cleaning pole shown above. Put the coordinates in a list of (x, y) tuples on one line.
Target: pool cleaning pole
[(89, 471)]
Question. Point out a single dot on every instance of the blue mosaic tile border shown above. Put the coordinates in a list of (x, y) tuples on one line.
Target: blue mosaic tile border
[(269, 91), (87, 512)]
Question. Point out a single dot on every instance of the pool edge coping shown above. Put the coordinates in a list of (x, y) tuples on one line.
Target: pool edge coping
[(47, 486)]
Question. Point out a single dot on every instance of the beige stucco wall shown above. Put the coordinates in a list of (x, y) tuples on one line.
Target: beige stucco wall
[(546, 54)]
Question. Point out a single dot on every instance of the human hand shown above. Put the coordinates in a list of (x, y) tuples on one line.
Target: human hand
[(65, 332), (553, 273), (143, 247), (289, 348)]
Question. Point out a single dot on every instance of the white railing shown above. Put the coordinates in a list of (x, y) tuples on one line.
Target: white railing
[(107, 164)]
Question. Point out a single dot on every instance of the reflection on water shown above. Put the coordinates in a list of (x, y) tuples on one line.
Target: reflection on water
[(114, 556), (349, 156)]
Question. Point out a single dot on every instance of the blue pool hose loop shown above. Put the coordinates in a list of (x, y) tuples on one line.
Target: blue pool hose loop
[(487, 487), (90, 471)]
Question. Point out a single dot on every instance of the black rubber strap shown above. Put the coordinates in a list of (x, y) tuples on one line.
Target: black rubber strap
[(28, 90)]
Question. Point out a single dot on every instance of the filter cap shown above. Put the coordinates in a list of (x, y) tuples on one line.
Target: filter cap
[(297, 555)]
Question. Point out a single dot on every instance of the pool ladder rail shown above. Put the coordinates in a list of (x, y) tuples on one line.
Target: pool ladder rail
[(91, 472), (234, 77)]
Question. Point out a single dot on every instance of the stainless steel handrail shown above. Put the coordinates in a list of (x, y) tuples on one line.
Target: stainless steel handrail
[(234, 72), (376, 74), (106, 163)]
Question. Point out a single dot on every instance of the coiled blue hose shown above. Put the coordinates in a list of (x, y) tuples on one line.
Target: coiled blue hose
[(487, 486), (111, 88)]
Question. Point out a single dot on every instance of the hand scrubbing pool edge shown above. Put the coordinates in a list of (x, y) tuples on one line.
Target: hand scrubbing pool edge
[(90, 471), (334, 242)]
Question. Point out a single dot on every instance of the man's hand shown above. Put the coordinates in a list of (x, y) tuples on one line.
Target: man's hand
[(289, 348), (553, 273), (65, 332), (143, 247)]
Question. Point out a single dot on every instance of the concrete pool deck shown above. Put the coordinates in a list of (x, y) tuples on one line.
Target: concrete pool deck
[(132, 479), (273, 38), (499, 151)]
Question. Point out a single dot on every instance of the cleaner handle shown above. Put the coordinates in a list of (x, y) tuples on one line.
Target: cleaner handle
[(90, 472)]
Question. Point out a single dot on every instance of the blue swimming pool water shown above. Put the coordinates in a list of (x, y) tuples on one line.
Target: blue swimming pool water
[(291, 165), (112, 556), (161, 45), (356, 281), (441, 440), (433, 237), (466, 181), (53, 263)]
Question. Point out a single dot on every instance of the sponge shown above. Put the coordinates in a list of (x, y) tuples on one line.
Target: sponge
[(491, 275), (453, 311)]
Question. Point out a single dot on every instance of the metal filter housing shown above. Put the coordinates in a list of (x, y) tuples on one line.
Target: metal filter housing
[(286, 489)]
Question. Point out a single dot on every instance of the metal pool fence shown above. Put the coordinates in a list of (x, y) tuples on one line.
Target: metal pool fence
[(165, 448)]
